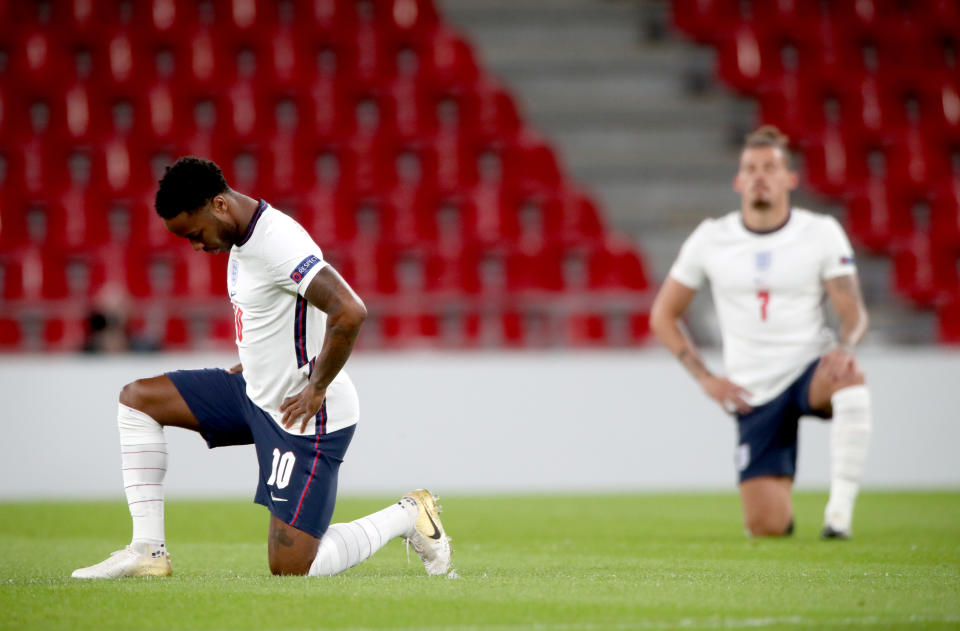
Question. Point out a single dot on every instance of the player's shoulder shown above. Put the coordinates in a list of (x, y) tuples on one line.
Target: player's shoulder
[(280, 225), (811, 220), (718, 227)]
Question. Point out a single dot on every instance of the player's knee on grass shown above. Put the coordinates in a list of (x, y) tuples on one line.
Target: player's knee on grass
[(770, 524), (291, 551)]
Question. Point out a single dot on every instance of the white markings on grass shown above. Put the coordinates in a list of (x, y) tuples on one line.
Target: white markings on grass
[(692, 623)]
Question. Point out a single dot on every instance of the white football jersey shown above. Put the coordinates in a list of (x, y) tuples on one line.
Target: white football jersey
[(769, 294), (278, 333)]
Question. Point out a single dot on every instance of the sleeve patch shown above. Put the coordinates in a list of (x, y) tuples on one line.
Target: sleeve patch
[(304, 267), (846, 260)]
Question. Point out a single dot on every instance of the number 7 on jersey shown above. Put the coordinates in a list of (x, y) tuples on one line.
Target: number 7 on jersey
[(764, 296)]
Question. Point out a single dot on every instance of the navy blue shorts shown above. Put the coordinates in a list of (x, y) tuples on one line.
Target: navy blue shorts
[(768, 433), (298, 474)]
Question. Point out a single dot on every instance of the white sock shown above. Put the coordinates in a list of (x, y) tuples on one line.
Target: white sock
[(849, 440), (345, 545), (143, 449)]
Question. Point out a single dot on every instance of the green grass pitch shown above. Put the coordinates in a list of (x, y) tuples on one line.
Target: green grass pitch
[(583, 562)]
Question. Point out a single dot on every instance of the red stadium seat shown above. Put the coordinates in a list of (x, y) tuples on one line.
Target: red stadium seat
[(586, 329), (878, 217), (925, 273), (176, 271), (945, 216), (405, 22), (705, 20), (11, 276), (530, 166), (913, 164), (488, 113), (11, 335), (948, 321), (447, 61), (63, 334)]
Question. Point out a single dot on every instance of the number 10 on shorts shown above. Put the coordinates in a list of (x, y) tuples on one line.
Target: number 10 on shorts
[(281, 469)]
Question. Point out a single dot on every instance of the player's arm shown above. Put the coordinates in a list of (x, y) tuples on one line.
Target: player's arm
[(671, 303), (345, 315), (847, 302)]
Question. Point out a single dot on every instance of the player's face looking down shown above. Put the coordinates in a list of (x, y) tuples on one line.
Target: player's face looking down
[(764, 179), (211, 228)]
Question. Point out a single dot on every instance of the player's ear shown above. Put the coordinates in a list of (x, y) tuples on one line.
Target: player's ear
[(793, 180), (219, 206)]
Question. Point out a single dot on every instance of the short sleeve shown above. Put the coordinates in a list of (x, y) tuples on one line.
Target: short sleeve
[(291, 255), (689, 268), (838, 258)]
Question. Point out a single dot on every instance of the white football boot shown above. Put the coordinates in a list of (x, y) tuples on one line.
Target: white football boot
[(129, 562), (427, 536)]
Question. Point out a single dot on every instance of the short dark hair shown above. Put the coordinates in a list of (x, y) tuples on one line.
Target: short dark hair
[(188, 185), (769, 136)]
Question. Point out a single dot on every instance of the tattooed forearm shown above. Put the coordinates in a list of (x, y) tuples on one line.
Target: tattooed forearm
[(692, 363), (847, 302)]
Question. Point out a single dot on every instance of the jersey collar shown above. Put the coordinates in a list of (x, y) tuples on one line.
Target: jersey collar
[(262, 206), (782, 225)]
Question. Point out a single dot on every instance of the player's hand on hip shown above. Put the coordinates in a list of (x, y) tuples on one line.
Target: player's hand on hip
[(729, 395), (235, 369), (302, 407)]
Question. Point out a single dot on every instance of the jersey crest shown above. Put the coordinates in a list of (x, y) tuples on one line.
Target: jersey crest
[(762, 261)]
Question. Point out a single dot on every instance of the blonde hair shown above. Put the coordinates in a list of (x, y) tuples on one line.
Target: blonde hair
[(769, 136)]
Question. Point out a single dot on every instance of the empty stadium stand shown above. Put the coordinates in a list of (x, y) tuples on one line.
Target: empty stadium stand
[(370, 121)]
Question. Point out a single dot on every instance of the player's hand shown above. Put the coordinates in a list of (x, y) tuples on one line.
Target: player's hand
[(302, 407), (235, 369), (839, 363), (729, 395)]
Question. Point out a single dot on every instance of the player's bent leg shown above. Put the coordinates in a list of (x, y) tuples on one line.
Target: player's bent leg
[(290, 550), (145, 406), (143, 449), (158, 398), (415, 518), (346, 545), (767, 508), (848, 398)]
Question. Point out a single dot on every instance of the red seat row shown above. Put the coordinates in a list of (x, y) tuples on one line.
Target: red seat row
[(286, 58), (35, 274), (246, 19), (453, 327), (712, 21), (163, 113)]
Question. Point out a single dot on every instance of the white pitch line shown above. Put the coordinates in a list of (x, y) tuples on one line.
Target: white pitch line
[(682, 623)]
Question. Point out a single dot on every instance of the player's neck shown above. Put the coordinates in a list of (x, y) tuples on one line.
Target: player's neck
[(763, 221), (245, 208)]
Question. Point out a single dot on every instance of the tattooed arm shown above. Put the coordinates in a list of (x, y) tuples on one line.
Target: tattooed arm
[(847, 301), (671, 303)]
